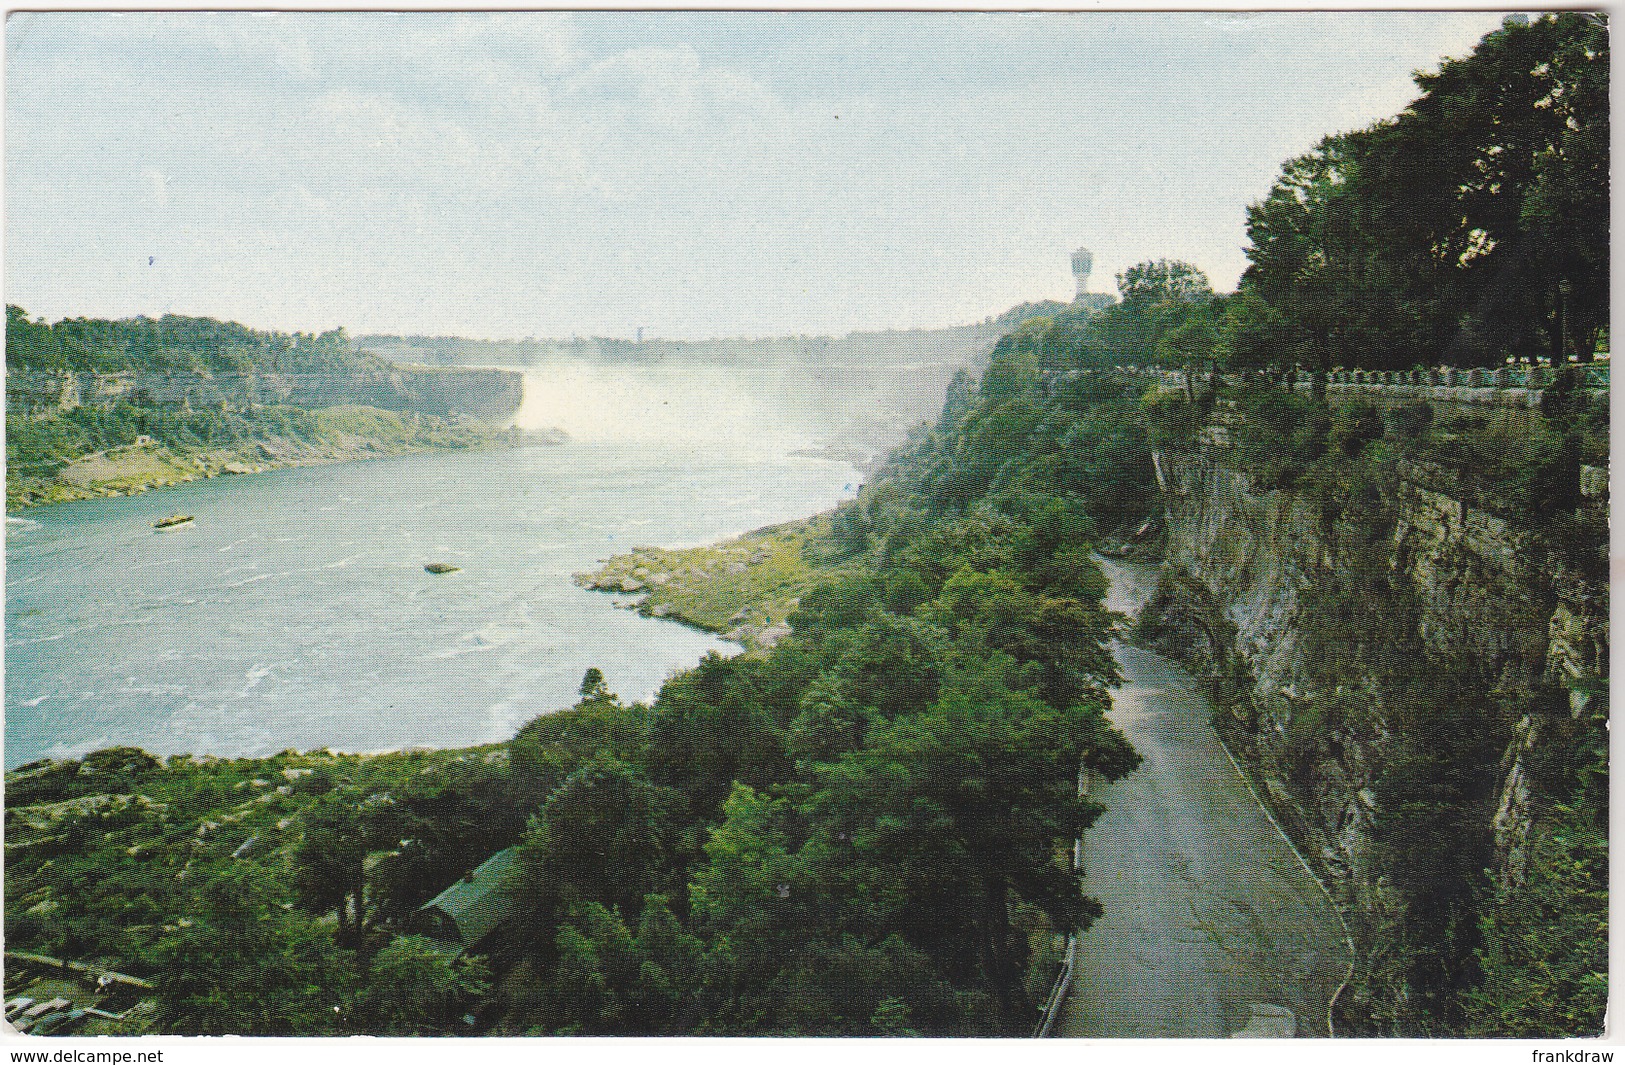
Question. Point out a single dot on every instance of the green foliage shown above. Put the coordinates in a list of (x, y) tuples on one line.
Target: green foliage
[(593, 685), (711, 729), (1544, 956), (1172, 420), (929, 831), (609, 981), (176, 343), (551, 746), (940, 816), (414, 987), (329, 866), (1409, 422), (1060, 638), (1545, 953), (1280, 433), (1356, 426), (1532, 470), (1462, 230), (1435, 843), (1164, 281), (604, 836), (435, 827), (241, 966), (830, 722)]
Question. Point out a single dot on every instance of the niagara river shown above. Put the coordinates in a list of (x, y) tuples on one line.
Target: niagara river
[(295, 610)]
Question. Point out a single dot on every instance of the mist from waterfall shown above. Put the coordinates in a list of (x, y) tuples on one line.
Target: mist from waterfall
[(721, 409)]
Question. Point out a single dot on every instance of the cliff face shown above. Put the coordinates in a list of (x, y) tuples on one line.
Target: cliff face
[(153, 429), (1349, 634), (487, 394)]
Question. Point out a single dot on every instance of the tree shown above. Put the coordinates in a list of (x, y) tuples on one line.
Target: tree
[(944, 818), (552, 746), (604, 836), (29, 343), (1545, 955), (593, 685), (1335, 291), (1463, 229), (829, 723), (414, 987), (891, 666), (1061, 638), (436, 827), (611, 980), (329, 866), (719, 723), (1149, 284), (242, 965)]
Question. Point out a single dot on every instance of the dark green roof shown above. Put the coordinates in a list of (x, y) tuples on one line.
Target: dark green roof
[(476, 904)]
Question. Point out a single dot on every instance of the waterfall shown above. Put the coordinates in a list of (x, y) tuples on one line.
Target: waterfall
[(689, 406)]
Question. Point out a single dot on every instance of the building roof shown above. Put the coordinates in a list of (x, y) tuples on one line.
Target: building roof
[(476, 904)]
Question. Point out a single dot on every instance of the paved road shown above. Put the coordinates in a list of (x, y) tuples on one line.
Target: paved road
[(1211, 925)]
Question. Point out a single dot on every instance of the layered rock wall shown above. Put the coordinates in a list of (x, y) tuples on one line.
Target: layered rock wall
[(487, 394), (1487, 613)]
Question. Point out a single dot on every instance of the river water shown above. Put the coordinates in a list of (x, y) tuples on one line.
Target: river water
[(295, 610)]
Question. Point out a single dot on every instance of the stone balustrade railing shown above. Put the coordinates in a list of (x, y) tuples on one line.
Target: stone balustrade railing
[(1592, 375), (1535, 378), (1529, 378)]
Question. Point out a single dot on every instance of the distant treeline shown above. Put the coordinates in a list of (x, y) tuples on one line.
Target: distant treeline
[(174, 343), (952, 342)]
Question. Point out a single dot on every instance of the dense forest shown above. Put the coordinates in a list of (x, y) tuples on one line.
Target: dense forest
[(865, 830)]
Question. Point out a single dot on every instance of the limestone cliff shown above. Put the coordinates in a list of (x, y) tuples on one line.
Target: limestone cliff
[(490, 395), (1358, 633), (75, 435)]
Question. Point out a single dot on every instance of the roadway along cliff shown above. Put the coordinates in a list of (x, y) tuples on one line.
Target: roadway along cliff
[(1211, 923)]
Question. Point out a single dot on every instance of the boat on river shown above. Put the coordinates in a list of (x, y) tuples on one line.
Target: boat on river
[(174, 521), (441, 567)]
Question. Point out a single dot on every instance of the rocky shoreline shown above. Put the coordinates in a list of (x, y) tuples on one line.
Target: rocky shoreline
[(146, 465), (744, 590)]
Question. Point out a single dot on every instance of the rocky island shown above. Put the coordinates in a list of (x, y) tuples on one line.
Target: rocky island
[(744, 590)]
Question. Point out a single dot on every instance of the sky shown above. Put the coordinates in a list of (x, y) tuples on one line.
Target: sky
[(695, 174)]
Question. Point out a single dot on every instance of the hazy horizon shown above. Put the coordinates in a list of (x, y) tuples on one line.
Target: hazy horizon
[(699, 175)]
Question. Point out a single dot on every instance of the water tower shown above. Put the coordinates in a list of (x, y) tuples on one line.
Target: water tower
[(1083, 261)]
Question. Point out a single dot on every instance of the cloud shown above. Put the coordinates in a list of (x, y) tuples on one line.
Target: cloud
[(672, 90), (520, 173)]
